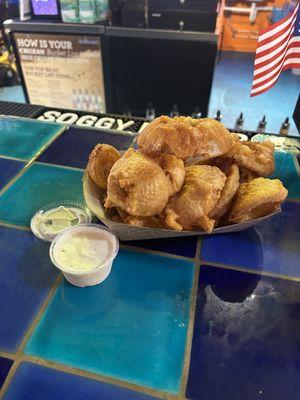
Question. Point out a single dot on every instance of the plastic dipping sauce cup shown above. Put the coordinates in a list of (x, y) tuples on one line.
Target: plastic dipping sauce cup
[(84, 253)]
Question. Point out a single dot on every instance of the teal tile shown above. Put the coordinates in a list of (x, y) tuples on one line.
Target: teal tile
[(286, 171), (132, 327), (23, 138), (39, 185)]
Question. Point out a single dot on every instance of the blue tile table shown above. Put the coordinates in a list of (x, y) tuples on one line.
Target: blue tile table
[(210, 318)]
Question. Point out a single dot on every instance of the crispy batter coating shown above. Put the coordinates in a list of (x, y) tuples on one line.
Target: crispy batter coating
[(257, 157), (138, 185), (189, 209), (174, 169), (184, 137), (231, 186), (144, 222), (257, 198), (101, 160)]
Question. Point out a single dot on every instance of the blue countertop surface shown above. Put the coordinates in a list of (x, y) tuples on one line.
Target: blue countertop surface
[(208, 318)]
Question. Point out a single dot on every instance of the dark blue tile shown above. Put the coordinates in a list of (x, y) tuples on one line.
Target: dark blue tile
[(5, 365), (8, 169), (272, 245), (73, 147), (181, 246), (246, 338), (26, 278), (35, 382)]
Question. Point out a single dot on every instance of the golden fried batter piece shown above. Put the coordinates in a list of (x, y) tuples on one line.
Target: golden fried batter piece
[(257, 198), (138, 185), (174, 169), (231, 186), (257, 157), (189, 209), (143, 222), (101, 160), (184, 137)]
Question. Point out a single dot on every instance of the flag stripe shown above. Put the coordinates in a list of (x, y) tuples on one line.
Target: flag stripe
[(267, 54), (269, 65), (277, 35), (273, 71), (276, 52), (274, 79), (277, 41), (278, 26), (294, 42), (278, 49)]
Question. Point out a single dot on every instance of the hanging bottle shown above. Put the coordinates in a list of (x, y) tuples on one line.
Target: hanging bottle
[(150, 112), (196, 113), (174, 112), (218, 116), (261, 128), (285, 126), (239, 123)]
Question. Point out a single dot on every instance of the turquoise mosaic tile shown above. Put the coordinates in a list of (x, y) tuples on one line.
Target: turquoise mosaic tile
[(23, 138), (132, 327), (39, 185), (286, 171)]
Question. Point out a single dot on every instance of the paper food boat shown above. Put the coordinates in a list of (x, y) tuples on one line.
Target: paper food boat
[(92, 195)]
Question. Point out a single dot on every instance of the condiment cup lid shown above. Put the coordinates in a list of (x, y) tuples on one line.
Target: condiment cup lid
[(67, 232), (54, 218)]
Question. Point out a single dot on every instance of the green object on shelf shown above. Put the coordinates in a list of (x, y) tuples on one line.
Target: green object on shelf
[(69, 10), (101, 10), (87, 11)]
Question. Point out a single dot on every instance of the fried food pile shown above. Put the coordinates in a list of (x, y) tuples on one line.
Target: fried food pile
[(187, 174)]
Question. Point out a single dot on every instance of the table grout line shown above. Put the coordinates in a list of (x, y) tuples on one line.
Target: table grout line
[(15, 178), (192, 314), (19, 354), (29, 163), (59, 166), (13, 158), (97, 376), (144, 250), (249, 270), (48, 143), (13, 226), (9, 377), (6, 354)]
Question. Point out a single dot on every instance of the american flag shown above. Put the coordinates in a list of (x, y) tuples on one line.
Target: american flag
[(278, 49)]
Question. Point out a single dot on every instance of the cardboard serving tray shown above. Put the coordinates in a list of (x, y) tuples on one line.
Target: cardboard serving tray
[(92, 194)]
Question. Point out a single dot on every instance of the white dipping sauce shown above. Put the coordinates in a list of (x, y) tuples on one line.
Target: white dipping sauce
[(83, 249)]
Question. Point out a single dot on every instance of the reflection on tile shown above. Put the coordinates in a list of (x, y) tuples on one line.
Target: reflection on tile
[(132, 327), (26, 278), (273, 245), (35, 382), (287, 173), (39, 185), (8, 169), (74, 146), (5, 365), (181, 246), (23, 138), (246, 338)]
